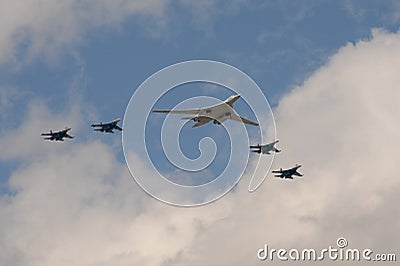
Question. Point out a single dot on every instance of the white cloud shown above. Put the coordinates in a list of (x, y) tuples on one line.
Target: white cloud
[(8, 97), (33, 28), (79, 206), (342, 125), (43, 28), (363, 11), (73, 202)]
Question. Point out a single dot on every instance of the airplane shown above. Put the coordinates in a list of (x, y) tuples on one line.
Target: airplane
[(59, 135), (288, 173), (266, 148), (107, 127), (217, 113)]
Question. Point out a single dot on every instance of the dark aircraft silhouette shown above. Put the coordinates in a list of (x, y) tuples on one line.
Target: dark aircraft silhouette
[(266, 148), (288, 173), (108, 127), (59, 135)]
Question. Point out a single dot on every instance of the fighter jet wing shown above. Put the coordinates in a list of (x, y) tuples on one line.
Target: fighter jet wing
[(119, 128), (243, 120), (68, 136), (188, 112), (297, 174)]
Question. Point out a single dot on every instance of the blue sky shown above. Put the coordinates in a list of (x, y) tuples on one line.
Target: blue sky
[(76, 64), (277, 43)]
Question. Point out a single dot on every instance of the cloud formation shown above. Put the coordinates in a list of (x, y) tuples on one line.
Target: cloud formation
[(33, 28), (342, 126), (79, 206)]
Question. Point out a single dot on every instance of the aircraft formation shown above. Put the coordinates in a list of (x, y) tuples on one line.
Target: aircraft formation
[(221, 112), (217, 113), (60, 135)]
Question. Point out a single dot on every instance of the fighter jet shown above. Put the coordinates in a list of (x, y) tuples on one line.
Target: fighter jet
[(266, 148), (107, 127), (288, 173), (217, 113), (59, 135)]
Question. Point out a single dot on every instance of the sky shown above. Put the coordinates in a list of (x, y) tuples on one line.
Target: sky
[(329, 72)]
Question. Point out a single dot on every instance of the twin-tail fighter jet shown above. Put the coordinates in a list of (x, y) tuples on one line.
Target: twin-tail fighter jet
[(266, 148), (107, 127), (217, 113), (59, 135), (288, 173)]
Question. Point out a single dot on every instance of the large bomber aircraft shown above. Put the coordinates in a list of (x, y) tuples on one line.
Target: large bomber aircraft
[(266, 148), (108, 127), (217, 113), (59, 135), (288, 173)]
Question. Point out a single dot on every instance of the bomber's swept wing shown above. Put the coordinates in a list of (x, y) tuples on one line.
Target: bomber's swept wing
[(183, 112), (244, 120)]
